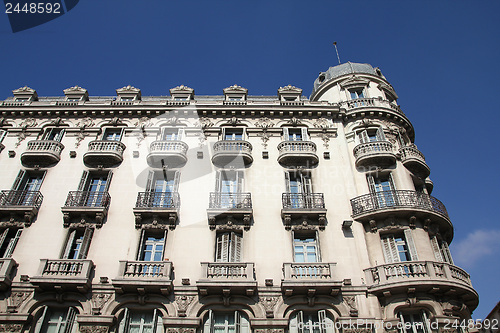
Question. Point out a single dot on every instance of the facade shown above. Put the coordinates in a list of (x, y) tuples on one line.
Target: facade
[(229, 213)]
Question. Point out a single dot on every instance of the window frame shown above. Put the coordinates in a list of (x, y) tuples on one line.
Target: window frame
[(177, 132), (143, 243), (77, 242), (57, 132), (240, 319), (117, 136), (425, 322), (125, 321), (304, 133), (234, 135), (298, 235), (322, 315), (45, 317), (228, 247), (9, 237), (390, 246)]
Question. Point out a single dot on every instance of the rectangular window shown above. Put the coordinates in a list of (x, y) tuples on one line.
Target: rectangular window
[(26, 188), (78, 243), (161, 187), (414, 322), (228, 187), (8, 241), (311, 322), (441, 250), (357, 93), (94, 187), (371, 135), (141, 322), (228, 247), (298, 187), (112, 134), (54, 320), (382, 186), (152, 245), (399, 247), (226, 322), (305, 248), (295, 134), (172, 134), (232, 133), (54, 134)]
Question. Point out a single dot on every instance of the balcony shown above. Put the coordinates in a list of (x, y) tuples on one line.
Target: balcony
[(297, 153), (303, 206), (86, 204), (414, 161), (105, 153), (426, 276), (371, 103), (171, 154), (236, 206), (378, 153), (236, 153), (227, 278), (157, 205), (7, 266), (309, 278), (144, 277), (24, 203), (42, 153), (64, 274)]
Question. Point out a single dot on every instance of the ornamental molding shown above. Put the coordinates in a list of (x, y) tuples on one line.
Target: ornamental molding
[(235, 88), (269, 303), (93, 329), (11, 328), (181, 330), (15, 300), (264, 123), (182, 88), (289, 89), (354, 80), (294, 121), (75, 89), (98, 301), (24, 89), (270, 330), (350, 301), (128, 89), (183, 303)]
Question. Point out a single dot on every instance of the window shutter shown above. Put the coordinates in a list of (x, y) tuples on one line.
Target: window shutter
[(240, 181), (287, 181), (390, 249), (363, 136), (426, 322), (164, 244), (120, 134), (307, 183), (380, 134), (87, 237), (209, 324), (235, 244), (70, 318), (58, 137), (40, 321), (300, 321), (371, 183), (322, 319), (293, 324), (180, 134), (155, 320), (305, 135), (411, 245), (403, 325), (140, 252), (177, 180), (2, 239), (218, 180), (149, 182), (286, 136), (436, 249), (20, 181), (446, 252), (222, 247), (391, 182), (69, 244), (3, 134), (244, 324), (12, 244), (83, 186), (108, 180), (123, 328)]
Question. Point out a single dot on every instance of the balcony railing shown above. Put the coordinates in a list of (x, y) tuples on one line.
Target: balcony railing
[(297, 147), (387, 200), (370, 102), (104, 152), (374, 153), (167, 153), (42, 153), (51, 146), (145, 269), (10, 198), (219, 200), (228, 270), (416, 271), (158, 200), (88, 199), (414, 161), (308, 271), (229, 152), (64, 273), (303, 201), (297, 153), (65, 268), (106, 146)]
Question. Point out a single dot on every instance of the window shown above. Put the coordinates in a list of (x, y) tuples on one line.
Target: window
[(441, 250), (311, 322), (22, 99), (416, 322), (141, 322), (226, 322), (305, 248), (371, 135), (8, 241), (126, 99), (357, 93), (161, 187), (54, 134), (382, 186), (228, 187), (232, 133), (56, 320), (74, 99), (152, 245), (112, 134), (399, 247), (26, 187), (93, 188), (298, 187), (77, 244), (228, 247), (171, 134), (295, 134)]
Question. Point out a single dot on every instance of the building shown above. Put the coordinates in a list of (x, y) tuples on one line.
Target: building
[(226, 214)]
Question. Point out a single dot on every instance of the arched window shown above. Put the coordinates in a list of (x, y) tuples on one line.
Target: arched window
[(56, 320), (226, 322), (141, 321), (311, 322)]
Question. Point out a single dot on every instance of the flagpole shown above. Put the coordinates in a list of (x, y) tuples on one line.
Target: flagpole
[(335, 44)]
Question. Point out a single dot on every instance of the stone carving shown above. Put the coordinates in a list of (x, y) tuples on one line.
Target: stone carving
[(264, 123), (204, 123), (181, 330), (183, 303), (290, 88), (98, 301), (128, 88), (233, 121), (270, 330), (93, 329), (15, 300), (83, 124), (57, 122), (294, 121), (115, 121), (28, 122), (350, 301), (11, 328), (141, 124), (357, 330), (24, 89), (269, 303)]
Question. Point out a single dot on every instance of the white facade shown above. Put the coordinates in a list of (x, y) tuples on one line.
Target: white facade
[(222, 213)]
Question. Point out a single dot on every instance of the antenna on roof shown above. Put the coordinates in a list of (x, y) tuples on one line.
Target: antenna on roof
[(335, 44)]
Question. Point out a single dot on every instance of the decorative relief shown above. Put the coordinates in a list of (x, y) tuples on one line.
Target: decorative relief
[(11, 328), (183, 303), (324, 124), (264, 123), (234, 121), (294, 121), (115, 121), (181, 330), (93, 329), (83, 124), (204, 123), (350, 301), (15, 300), (357, 330), (269, 303), (28, 122), (270, 330), (98, 301), (57, 122), (141, 124)]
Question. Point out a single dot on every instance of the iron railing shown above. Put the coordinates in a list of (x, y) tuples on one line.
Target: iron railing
[(21, 198), (168, 146), (51, 146), (396, 199), (296, 147), (88, 199), (158, 200), (371, 148), (106, 146), (230, 200), (308, 271), (303, 200), (232, 146)]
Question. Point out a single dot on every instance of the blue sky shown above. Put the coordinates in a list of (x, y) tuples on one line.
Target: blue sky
[(442, 57)]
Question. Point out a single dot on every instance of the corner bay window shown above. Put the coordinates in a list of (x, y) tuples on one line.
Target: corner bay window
[(226, 322)]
